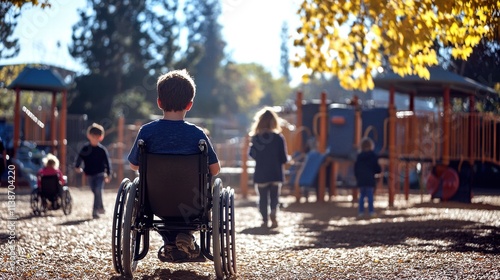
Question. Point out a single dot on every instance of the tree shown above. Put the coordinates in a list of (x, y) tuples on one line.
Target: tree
[(483, 65), (285, 60), (20, 3), (349, 38), (124, 45), (9, 46), (204, 40), (243, 87), (236, 90), (9, 12)]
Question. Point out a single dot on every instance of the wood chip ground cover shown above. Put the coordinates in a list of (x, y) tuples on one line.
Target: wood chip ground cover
[(416, 239)]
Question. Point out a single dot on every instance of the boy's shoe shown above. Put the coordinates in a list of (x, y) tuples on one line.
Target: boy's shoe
[(186, 243), (95, 215), (170, 253), (373, 215), (101, 211), (264, 224)]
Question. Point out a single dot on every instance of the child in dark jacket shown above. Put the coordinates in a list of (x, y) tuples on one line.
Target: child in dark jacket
[(97, 165), (268, 149), (365, 169)]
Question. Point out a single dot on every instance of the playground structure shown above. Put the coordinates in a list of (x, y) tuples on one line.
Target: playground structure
[(46, 128), (441, 142), (404, 138)]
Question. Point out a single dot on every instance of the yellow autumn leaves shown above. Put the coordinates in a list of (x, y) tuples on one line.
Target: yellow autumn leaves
[(350, 39)]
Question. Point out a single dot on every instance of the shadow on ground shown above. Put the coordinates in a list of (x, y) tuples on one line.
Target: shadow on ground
[(338, 227)]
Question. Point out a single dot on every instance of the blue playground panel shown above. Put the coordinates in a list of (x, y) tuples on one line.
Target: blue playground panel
[(341, 136), (373, 120), (309, 111)]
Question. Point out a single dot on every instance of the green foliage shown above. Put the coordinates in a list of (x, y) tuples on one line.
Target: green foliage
[(483, 65), (124, 46), (132, 105), (244, 87), (9, 12), (204, 40), (285, 61), (9, 46), (8, 97), (349, 38)]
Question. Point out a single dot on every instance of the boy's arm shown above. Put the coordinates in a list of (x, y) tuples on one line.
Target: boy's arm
[(78, 162), (134, 167), (214, 168), (107, 162)]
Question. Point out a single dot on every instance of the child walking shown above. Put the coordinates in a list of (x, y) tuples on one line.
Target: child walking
[(268, 149), (173, 135), (96, 165), (365, 169)]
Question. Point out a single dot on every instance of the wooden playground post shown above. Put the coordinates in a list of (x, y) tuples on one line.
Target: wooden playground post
[(333, 181), (446, 125), (62, 132), (322, 147), (298, 123), (298, 142), (17, 122), (244, 173), (358, 124), (410, 144), (392, 147), (53, 112), (44, 120), (471, 126), (121, 129)]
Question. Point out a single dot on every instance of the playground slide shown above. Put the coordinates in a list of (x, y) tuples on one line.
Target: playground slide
[(310, 169)]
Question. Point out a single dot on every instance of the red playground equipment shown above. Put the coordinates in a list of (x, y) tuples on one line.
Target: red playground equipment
[(445, 144)]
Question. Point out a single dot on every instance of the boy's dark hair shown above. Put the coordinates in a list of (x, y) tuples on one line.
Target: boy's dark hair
[(175, 90), (95, 129)]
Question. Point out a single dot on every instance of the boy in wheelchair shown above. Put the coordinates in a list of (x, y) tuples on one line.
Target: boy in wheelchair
[(173, 135), (51, 168)]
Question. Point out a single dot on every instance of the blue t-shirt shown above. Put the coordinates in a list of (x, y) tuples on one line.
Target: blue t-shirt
[(171, 137)]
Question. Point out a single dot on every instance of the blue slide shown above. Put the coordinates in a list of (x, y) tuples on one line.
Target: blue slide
[(312, 164)]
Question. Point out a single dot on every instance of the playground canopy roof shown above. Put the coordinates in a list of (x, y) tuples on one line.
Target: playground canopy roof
[(39, 79), (435, 86)]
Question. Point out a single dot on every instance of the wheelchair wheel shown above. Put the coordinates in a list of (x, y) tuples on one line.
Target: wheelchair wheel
[(129, 234), (66, 201), (118, 214), (228, 244), (216, 232), (36, 203)]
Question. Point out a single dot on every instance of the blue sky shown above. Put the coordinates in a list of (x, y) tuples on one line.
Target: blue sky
[(251, 29)]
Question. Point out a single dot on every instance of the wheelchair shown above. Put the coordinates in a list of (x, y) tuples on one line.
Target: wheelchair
[(174, 192), (51, 191)]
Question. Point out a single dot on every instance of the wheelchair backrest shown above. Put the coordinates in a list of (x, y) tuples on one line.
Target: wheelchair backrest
[(175, 185), (49, 184)]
